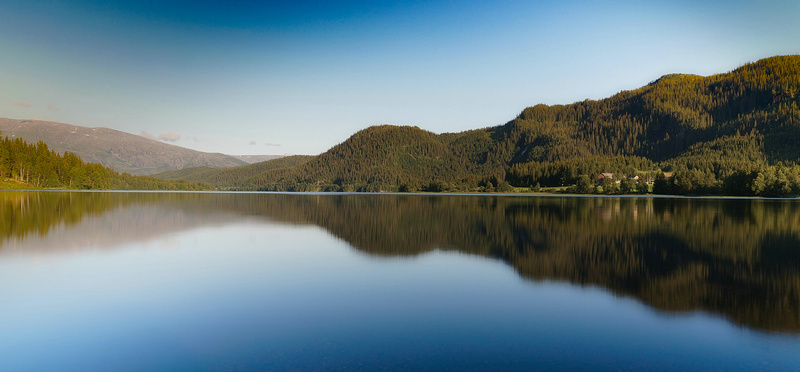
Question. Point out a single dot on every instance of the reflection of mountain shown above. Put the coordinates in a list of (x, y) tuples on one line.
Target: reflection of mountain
[(738, 258), (58, 222)]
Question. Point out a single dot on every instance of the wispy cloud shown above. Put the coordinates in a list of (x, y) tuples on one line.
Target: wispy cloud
[(22, 104), (147, 135), (169, 137), (272, 144), (52, 107)]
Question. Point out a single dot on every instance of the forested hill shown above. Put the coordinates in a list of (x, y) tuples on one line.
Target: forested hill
[(241, 177), (718, 124), (736, 132)]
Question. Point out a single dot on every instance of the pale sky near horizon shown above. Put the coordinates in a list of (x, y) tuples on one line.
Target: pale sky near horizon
[(298, 77)]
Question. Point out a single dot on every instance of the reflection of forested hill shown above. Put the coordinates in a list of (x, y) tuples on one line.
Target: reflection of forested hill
[(738, 258)]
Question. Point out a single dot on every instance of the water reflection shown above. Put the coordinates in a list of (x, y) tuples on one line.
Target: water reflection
[(736, 258), (57, 222)]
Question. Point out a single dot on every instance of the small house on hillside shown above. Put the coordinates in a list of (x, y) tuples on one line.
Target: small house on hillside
[(603, 176)]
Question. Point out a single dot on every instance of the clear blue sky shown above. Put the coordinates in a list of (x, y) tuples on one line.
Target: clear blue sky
[(298, 77)]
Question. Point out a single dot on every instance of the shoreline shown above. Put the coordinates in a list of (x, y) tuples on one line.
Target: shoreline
[(318, 193)]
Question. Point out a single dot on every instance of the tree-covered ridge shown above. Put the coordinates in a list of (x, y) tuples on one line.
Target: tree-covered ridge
[(682, 122), (38, 166), (719, 131), (661, 120), (385, 157), (241, 177), (180, 174)]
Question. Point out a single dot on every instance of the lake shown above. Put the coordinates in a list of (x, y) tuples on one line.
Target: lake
[(261, 281)]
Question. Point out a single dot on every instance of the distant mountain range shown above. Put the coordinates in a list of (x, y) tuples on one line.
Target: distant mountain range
[(124, 152)]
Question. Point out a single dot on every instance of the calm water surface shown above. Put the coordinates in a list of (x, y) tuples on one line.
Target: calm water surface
[(214, 281)]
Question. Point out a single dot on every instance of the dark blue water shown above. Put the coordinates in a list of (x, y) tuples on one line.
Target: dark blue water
[(324, 282)]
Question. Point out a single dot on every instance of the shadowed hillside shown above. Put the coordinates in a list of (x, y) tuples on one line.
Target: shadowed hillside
[(252, 159), (241, 177)]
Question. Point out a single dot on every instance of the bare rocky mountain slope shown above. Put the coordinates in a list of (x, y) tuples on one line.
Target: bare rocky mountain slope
[(124, 152)]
